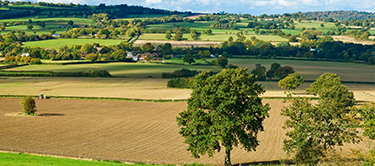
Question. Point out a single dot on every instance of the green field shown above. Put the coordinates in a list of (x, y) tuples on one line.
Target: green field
[(8, 159), (22, 27), (172, 25), (219, 37), (310, 70), (75, 20), (57, 43), (137, 70)]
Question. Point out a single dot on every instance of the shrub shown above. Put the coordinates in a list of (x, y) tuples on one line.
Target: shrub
[(180, 82), (35, 61), (28, 105)]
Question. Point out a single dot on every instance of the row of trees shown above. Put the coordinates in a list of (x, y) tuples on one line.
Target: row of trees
[(225, 111)]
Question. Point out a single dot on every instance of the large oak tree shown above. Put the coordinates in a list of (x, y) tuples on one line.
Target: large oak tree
[(224, 110)]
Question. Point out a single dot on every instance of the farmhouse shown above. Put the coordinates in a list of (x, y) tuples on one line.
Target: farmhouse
[(25, 54), (134, 57)]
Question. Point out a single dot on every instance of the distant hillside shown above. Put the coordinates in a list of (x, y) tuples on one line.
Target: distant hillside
[(340, 15), (43, 9)]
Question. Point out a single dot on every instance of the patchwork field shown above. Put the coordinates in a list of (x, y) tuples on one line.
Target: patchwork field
[(57, 43), (126, 131), (119, 68)]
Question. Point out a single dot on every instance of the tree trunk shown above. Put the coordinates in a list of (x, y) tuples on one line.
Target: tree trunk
[(227, 157)]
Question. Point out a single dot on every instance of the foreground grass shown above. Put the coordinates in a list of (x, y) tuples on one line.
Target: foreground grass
[(8, 159), (57, 43)]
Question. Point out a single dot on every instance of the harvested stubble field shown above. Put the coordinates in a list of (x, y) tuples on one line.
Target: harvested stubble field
[(124, 130), (92, 87), (135, 88)]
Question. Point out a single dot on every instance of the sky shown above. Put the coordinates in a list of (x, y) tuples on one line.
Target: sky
[(253, 7)]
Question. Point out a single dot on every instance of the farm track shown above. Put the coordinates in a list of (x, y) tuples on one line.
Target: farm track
[(122, 130)]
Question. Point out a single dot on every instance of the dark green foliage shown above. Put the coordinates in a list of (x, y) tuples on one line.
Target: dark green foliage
[(28, 105), (180, 73), (222, 60), (371, 60), (271, 72), (283, 71), (180, 82), (224, 110), (189, 58), (260, 72), (166, 49)]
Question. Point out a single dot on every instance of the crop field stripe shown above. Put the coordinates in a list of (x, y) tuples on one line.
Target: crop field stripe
[(100, 98), (131, 99)]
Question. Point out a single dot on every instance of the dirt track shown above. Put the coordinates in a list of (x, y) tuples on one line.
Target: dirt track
[(124, 130)]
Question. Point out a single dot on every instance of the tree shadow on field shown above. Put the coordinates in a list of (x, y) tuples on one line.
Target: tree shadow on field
[(50, 114), (272, 162), (359, 102)]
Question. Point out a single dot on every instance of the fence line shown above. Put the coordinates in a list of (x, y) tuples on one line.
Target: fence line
[(89, 157)]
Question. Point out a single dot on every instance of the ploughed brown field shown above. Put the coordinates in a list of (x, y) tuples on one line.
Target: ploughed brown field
[(136, 131)]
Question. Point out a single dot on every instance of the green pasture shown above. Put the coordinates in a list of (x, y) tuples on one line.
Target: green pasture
[(216, 37), (172, 25), (22, 28), (62, 61), (75, 20), (316, 24), (137, 70), (57, 43), (181, 61), (153, 15), (9, 159), (310, 70)]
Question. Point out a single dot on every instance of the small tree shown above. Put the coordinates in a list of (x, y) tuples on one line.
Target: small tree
[(222, 61), (28, 105), (189, 58), (291, 82), (30, 27), (168, 35), (92, 57), (224, 110), (260, 72)]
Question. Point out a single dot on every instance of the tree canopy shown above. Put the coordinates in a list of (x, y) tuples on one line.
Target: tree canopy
[(292, 81), (224, 110)]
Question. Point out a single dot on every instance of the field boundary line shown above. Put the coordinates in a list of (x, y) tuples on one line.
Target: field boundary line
[(100, 98), (94, 158), (133, 99)]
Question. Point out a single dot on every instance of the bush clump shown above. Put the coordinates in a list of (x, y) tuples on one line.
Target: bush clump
[(28, 105), (180, 82)]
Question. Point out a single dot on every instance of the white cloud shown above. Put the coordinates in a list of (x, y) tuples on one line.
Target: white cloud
[(287, 3), (264, 3), (203, 2), (153, 1)]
